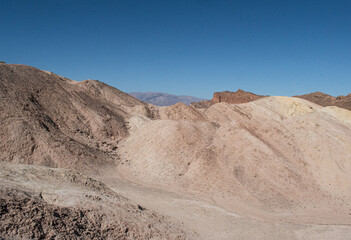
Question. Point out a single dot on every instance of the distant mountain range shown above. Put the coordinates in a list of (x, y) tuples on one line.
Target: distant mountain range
[(240, 96), (164, 99)]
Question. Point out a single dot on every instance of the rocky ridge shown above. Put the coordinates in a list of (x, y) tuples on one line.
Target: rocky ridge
[(328, 100)]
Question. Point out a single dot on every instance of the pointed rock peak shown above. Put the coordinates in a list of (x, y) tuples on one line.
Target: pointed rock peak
[(241, 91)]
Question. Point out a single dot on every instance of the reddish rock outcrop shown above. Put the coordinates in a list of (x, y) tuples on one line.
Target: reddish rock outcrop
[(328, 100), (237, 97)]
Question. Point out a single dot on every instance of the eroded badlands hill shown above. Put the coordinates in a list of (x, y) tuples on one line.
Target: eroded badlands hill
[(273, 153), (50, 120)]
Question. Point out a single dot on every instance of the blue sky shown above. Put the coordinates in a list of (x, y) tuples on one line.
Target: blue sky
[(186, 47)]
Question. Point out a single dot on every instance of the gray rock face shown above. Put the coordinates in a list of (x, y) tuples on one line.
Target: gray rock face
[(164, 99)]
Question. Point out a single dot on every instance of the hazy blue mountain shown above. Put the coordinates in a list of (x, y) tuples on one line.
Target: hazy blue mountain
[(164, 99)]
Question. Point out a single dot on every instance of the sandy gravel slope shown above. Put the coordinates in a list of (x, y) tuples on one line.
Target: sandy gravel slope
[(47, 203)]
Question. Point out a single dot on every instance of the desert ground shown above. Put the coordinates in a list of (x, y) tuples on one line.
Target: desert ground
[(84, 160)]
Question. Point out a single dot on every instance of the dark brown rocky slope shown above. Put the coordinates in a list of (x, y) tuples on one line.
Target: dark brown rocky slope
[(46, 119)]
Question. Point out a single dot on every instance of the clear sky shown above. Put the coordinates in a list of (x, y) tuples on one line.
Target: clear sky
[(282, 47)]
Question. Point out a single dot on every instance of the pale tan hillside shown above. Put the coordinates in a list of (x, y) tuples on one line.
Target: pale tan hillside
[(180, 111), (273, 153)]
